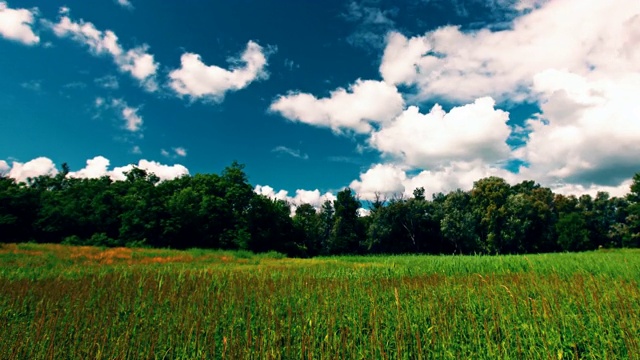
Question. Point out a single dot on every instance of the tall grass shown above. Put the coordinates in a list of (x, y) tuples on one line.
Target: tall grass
[(201, 304)]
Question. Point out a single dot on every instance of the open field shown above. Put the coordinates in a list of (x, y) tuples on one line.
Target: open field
[(62, 302)]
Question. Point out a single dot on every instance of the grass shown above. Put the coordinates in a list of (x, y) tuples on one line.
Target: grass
[(63, 302)]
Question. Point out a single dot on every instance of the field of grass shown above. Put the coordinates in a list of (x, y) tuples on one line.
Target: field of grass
[(63, 302)]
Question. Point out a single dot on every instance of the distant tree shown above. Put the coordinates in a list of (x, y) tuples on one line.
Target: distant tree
[(271, 227), (346, 232), (572, 232), (487, 199), (459, 225), (327, 219), (529, 219), (632, 236), (308, 226)]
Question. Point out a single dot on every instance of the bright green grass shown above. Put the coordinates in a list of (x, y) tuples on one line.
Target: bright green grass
[(57, 303)]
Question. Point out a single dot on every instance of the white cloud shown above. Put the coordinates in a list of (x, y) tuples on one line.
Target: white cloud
[(180, 151), (354, 109), (132, 121), (199, 81), (472, 131), (136, 150), (164, 172), (4, 168), (588, 131), (33, 85), (108, 82), (583, 37), (31, 169), (96, 168), (522, 5), (175, 153), (15, 24), (291, 152), (269, 192), (385, 179), (391, 180), (576, 189), (313, 197), (136, 61), (125, 4)]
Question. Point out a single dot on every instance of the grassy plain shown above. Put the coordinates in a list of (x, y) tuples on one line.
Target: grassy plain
[(63, 302)]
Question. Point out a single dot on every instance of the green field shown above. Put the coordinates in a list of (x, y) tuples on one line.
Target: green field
[(63, 302)]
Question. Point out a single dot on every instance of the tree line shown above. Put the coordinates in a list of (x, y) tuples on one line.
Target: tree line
[(223, 212)]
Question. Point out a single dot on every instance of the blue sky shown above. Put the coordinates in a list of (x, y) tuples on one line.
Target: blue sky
[(381, 96)]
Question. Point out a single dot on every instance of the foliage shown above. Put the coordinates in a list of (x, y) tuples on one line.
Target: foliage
[(221, 211)]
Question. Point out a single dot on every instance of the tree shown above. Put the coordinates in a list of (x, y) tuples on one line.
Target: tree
[(327, 219), (458, 224), (270, 227), (529, 220), (572, 232), (346, 231), (487, 199), (632, 238), (308, 225)]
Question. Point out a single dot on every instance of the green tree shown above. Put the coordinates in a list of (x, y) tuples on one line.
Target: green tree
[(459, 224), (308, 225), (487, 199), (572, 232), (346, 232)]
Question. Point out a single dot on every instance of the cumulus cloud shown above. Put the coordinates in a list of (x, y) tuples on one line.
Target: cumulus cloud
[(390, 180), (4, 168), (582, 68), (198, 81), (576, 189), (386, 180), (313, 197), (16, 24), (164, 172), (95, 168), (472, 131), (588, 130), (365, 102), (136, 61), (587, 38), (31, 169)]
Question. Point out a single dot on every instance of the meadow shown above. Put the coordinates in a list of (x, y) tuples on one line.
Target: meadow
[(65, 302)]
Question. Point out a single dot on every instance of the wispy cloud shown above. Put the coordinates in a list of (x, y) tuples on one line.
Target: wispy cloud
[(125, 4), (175, 152), (108, 82), (291, 152), (132, 119), (136, 61), (372, 25), (33, 85)]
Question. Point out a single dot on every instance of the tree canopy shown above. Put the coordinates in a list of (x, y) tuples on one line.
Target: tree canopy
[(222, 211)]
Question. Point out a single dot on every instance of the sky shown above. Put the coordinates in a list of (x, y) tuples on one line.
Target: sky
[(314, 96)]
